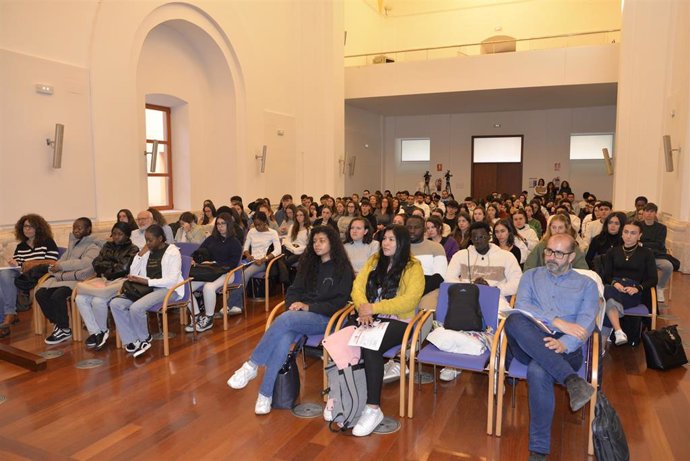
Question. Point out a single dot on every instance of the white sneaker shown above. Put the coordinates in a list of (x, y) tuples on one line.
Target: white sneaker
[(235, 310), (621, 337), (660, 295), (263, 405), (391, 371), (327, 414), (370, 419), (242, 376), (449, 374)]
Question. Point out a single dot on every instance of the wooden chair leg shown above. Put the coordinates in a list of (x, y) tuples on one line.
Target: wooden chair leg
[(166, 346), (39, 318), (490, 403)]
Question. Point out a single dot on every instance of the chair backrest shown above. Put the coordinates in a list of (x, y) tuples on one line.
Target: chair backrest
[(186, 267), (187, 248), (488, 302), (600, 288)]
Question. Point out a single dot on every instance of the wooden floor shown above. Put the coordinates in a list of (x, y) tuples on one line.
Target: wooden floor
[(180, 407)]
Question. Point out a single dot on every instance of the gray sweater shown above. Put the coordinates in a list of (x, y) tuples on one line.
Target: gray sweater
[(76, 264)]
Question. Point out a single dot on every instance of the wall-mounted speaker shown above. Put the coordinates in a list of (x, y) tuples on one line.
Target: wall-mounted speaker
[(154, 157), (668, 153), (607, 161), (56, 143), (262, 157), (351, 163)]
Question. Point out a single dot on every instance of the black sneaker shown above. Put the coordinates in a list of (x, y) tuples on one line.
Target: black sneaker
[(143, 347), (205, 323), (132, 347), (59, 335), (102, 338), (92, 341)]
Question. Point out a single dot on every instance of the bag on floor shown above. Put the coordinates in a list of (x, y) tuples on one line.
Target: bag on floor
[(609, 439), (464, 312), (347, 395), (287, 386), (664, 348)]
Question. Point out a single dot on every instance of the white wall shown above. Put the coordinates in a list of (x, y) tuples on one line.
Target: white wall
[(281, 57), (474, 21), (546, 142), (364, 142)]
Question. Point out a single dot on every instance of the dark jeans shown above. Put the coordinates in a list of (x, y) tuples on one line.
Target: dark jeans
[(53, 302), (544, 368), (373, 360)]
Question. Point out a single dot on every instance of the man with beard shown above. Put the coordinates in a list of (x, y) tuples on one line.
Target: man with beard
[(567, 302)]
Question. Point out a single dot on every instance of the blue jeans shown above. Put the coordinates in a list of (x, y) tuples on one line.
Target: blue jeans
[(8, 292), (544, 368), (274, 346)]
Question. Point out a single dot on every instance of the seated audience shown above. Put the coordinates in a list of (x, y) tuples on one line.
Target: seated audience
[(257, 244), (351, 212), (486, 264), (524, 231), (297, 237), (384, 214), (34, 253), (451, 217), (609, 237), (288, 219), (479, 214), (504, 237), (654, 238), (189, 231), (387, 289), (144, 220), (640, 203), (112, 263), (462, 230), (359, 244), (533, 222), (159, 219), (264, 207), (157, 265), (568, 302), (73, 266), (558, 224), (221, 249), (367, 212), (126, 216), (285, 201), (628, 270), (434, 232), (322, 286), (595, 226), (326, 219)]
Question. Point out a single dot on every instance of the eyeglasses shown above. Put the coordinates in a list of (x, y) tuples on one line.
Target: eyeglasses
[(556, 254), (28, 226)]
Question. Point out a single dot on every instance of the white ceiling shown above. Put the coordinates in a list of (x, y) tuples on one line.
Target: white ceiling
[(501, 100)]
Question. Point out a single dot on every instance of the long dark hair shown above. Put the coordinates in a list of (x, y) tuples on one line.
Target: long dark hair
[(205, 219), (43, 230), (607, 240), (309, 261), (462, 239), (383, 278), (130, 218), (508, 224), (229, 226), (296, 226)]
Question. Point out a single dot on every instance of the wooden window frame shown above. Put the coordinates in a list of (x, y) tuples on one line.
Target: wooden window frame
[(168, 143)]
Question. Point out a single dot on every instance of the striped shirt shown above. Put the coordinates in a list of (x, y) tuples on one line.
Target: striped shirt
[(24, 252)]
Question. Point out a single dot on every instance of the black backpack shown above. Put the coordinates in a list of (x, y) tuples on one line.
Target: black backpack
[(464, 312), (610, 443)]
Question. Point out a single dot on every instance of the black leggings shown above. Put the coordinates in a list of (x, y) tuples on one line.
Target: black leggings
[(53, 302), (373, 360)]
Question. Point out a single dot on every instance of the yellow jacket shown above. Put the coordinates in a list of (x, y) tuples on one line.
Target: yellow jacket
[(409, 292)]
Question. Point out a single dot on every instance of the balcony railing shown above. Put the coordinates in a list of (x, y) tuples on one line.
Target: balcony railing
[(600, 37)]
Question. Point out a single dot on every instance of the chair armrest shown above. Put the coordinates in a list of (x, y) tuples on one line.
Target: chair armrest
[(419, 320), (347, 310), (494, 345), (230, 276), (654, 306), (274, 313), (336, 319), (172, 289), (42, 280), (512, 300), (271, 262)]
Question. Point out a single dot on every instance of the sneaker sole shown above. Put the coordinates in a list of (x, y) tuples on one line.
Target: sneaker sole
[(141, 350), (57, 341), (103, 342)]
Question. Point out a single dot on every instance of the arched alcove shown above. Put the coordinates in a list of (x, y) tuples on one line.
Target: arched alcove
[(181, 66)]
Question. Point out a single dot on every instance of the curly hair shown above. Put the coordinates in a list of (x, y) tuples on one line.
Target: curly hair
[(43, 231), (381, 277), (309, 261)]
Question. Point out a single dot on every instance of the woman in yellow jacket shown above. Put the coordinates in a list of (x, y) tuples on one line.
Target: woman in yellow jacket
[(388, 288)]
